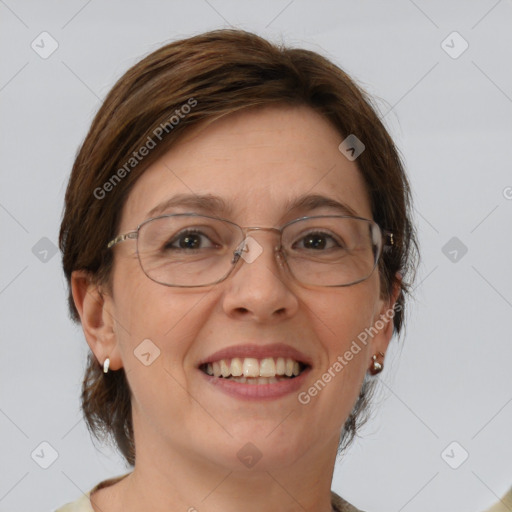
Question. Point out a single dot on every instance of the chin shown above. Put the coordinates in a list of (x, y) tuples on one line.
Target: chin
[(262, 447)]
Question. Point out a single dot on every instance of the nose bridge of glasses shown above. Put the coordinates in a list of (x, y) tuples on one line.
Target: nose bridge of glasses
[(247, 231)]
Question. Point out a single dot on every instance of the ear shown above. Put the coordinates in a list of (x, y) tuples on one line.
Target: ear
[(95, 309), (383, 323)]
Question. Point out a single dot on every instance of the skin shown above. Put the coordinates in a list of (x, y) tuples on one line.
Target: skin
[(187, 433)]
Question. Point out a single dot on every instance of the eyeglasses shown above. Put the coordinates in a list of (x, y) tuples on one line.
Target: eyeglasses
[(190, 250)]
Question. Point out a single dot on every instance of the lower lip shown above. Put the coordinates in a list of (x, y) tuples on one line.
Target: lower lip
[(257, 391)]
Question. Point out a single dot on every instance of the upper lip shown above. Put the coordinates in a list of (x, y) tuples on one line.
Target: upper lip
[(258, 352)]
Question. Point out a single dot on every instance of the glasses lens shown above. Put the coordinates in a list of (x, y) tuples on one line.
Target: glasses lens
[(193, 250), (187, 250), (332, 251)]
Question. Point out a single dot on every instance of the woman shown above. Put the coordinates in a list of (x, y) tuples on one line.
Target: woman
[(238, 244)]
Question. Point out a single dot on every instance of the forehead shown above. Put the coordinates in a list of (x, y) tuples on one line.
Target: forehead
[(258, 161)]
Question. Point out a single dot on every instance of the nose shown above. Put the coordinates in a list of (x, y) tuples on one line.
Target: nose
[(260, 288)]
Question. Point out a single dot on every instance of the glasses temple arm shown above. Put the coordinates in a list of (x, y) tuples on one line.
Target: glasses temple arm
[(121, 238)]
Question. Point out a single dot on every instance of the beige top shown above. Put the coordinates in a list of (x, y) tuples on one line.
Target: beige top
[(83, 504), (504, 505)]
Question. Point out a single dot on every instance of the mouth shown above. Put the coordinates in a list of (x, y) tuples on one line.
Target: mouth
[(256, 371), (252, 370)]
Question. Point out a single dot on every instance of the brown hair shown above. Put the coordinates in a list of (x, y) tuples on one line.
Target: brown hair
[(198, 80)]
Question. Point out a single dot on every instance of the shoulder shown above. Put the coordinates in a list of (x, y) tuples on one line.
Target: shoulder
[(83, 504), (340, 505), (504, 505)]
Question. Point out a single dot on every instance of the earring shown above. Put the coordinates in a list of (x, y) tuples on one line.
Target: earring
[(376, 366), (106, 364)]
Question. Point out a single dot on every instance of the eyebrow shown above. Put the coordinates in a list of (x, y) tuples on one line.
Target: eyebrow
[(217, 206), (310, 202), (206, 203)]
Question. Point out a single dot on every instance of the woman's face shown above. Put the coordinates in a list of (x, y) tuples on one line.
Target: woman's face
[(257, 162)]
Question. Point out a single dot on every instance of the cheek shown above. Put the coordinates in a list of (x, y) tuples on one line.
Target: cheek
[(156, 329), (153, 318), (338, 318), (344, 313)]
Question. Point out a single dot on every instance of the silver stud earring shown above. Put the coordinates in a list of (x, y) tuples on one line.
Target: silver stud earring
[(106, 364)]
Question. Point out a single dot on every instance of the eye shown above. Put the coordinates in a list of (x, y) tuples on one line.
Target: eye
[(316, 241), (191, 240)]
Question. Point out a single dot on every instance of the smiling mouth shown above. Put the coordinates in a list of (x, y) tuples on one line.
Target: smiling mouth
[(250, 370)]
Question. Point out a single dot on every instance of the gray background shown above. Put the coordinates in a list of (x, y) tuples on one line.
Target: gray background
[(448, 379)]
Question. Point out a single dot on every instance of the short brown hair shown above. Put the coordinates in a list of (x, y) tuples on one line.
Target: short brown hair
[(215, 74)]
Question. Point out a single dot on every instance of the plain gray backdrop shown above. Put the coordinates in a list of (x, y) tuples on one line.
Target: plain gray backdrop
[(441, 72)]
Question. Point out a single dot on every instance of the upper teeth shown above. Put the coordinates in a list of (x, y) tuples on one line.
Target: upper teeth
[(252, 367)]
